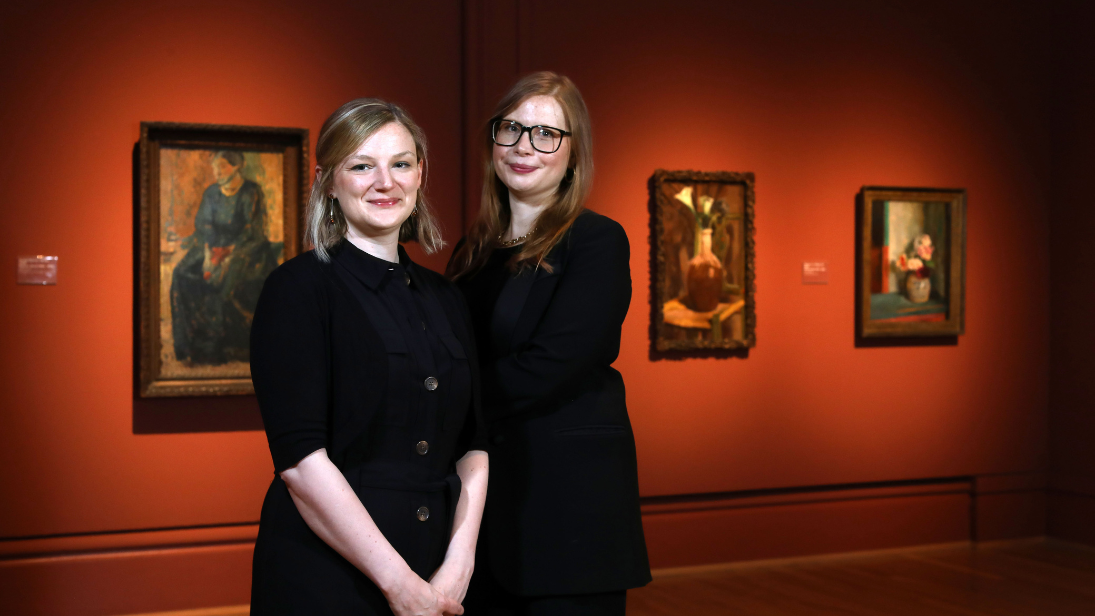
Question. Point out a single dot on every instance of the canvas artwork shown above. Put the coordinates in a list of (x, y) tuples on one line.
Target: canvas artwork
[(218, 220), (913, 267), (221, 232), (703, 258)]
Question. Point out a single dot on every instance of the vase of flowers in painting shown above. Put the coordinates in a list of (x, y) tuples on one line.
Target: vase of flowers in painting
[(918, 269), (918, 288), (704, 276)]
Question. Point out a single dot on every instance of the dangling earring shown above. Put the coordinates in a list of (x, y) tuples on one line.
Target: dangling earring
[(415, 211), (331, 218)]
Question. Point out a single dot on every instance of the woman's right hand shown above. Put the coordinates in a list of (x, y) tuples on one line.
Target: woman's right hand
[(416, 597)]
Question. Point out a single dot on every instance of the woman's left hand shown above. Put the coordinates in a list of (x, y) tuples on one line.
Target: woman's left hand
[(451, 579)]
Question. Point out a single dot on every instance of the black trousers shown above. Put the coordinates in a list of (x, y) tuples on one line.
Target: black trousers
[(600, 604), (487, 598)]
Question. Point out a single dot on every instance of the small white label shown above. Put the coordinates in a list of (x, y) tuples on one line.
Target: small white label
[(815, 272), (37, 270)]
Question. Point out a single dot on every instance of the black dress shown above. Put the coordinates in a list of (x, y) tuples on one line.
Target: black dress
[(216, 285), (562, 517), (370, 360)]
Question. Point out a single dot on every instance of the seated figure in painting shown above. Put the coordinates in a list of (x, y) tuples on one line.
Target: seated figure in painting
[(216, 285)]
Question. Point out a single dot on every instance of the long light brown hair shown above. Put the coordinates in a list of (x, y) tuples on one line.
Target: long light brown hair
[(342, 134), (494, 212)]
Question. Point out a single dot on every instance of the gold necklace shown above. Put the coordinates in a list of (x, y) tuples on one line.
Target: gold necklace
[(515, 241)]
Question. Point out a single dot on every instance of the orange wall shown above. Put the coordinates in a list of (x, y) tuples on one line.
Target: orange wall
[(79, 78), (816, 98)]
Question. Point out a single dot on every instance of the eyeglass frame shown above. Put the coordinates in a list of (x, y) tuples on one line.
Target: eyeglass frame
[(526, 129)]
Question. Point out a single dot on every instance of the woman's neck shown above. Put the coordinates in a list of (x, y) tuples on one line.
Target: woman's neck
[(522, 218), (382, 247)]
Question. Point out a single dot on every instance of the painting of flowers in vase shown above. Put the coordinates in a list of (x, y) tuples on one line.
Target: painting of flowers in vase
[(703, 260), (913, 261)]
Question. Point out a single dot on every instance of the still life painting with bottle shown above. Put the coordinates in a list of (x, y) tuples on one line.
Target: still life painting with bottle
[(703, 260)]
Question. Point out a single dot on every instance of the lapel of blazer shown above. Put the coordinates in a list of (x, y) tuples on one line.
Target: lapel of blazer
[(514, 319), (508, 308)]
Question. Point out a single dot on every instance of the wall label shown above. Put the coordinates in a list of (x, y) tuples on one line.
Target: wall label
[(37, 270), (815, 272)]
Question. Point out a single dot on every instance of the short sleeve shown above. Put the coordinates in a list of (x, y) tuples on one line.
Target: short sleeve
[(289, 365)]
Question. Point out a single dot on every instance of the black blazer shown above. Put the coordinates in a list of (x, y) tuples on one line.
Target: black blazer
[(563, 501)]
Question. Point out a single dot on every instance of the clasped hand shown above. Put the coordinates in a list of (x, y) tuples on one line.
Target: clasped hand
[(419, 598)]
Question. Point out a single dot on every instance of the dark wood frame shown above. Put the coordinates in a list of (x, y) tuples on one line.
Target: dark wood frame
[(292, 142), (658, 258), (955, 324)]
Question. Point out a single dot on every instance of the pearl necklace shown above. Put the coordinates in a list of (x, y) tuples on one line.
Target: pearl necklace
[(515, 241)]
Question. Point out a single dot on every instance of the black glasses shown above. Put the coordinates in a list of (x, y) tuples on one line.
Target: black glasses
[(546, 139)]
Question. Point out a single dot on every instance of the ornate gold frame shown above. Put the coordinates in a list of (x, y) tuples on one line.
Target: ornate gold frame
[(660, 342), (292, 142)]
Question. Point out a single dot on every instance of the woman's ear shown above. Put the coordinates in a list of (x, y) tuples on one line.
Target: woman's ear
[(319, 172)]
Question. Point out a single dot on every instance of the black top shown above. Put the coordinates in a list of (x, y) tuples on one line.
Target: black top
[(226, 220), (370, 360), (481, 291), (562, 511)]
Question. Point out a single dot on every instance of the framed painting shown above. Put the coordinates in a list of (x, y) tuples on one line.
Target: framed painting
[(219, 210), (912, 262), (703, 258)]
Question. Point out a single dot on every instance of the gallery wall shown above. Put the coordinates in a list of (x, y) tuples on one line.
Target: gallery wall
[(805, 444)]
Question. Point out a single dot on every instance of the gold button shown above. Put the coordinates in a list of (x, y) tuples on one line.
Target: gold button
[(431, 383), (422, 448), (423, 514)]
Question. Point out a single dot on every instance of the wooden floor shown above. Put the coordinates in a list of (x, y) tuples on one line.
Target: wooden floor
[(1017, 578), (1036, 577)]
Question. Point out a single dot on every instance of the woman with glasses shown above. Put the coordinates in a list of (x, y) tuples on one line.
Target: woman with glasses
[(365, 373), (548, 284)]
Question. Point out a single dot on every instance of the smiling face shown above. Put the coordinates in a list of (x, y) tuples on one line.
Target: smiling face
[(377, 185), (530, 175)]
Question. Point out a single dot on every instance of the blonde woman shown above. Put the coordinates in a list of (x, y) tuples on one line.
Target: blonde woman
[(548, 284), (363, 364)]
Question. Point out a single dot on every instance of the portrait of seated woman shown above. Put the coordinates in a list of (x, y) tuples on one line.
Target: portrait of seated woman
[(216, 284)]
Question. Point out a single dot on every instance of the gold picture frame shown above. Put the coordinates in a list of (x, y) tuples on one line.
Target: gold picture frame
[(703, 256), (911, 278), (219, 208)]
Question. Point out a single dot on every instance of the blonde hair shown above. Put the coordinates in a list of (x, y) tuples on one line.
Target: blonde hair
[(342, 134), (555, 220)]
